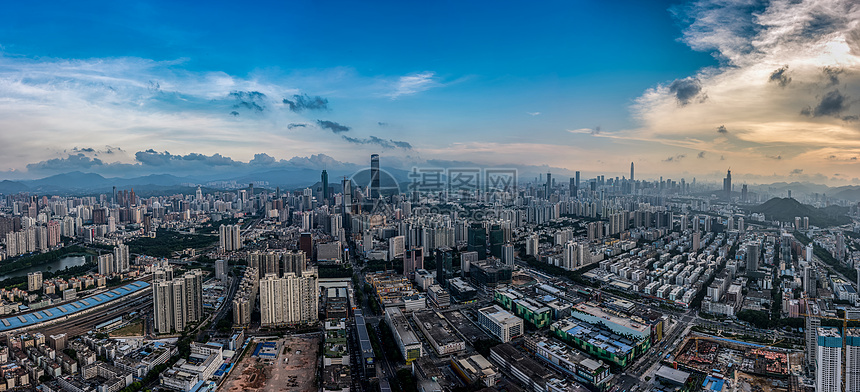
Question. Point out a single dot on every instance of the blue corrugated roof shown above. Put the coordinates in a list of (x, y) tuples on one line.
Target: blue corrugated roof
[(65, 310)]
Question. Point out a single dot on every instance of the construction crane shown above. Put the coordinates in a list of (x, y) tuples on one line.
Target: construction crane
[(845, 321)]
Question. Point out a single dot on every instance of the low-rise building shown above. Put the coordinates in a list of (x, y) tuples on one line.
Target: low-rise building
[(500, 323)]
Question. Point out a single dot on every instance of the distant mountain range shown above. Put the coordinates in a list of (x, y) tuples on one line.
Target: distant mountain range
[(79, 183), (785, 210)]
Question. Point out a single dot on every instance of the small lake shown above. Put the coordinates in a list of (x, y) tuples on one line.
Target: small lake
[(69, 261)]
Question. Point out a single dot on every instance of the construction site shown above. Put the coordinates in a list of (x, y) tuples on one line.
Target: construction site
[(288, 364), (745, 366)]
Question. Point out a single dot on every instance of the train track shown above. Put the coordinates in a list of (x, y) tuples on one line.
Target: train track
[(80, 325)]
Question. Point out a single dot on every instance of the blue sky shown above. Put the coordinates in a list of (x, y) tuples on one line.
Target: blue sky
[(488, 82)]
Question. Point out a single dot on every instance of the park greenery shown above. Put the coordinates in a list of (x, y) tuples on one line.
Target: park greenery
[(167, 242)]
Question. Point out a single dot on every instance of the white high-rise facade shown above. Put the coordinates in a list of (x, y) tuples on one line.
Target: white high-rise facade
[(120, 258), (177, 301), (230, 237), (828, 370), (852, 360), (292, 299)]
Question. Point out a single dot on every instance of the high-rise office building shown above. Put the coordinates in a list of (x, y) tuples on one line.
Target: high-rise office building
[(548, 186), (444, 266), (230, 237), (727, 185), (753, 254), (497, 240), (508, 255), (292, 299), (477, 240), (306, 244), (631, 172), (374, 177), (324, 184), (828, 371), (347, 194), (577, 180)]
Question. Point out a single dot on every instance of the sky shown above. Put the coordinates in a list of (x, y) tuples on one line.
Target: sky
[(683, 89)]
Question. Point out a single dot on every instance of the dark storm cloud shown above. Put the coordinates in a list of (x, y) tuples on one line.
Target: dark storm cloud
[(379, 142), (333, 126), (686, 89), (382, 124), (780, 77), (296, 125), (831, 75), (832, 104), (301, 102), (72, 162), (701, 154), (797, 172), (154, 158), (722, 129)]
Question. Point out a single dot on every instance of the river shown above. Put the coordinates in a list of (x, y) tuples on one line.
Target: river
[(68, 261)]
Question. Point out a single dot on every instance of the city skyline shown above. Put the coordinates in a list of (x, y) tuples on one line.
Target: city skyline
[(681, 89)]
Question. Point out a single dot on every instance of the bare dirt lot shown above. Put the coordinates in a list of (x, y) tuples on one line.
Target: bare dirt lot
[(297, 373)]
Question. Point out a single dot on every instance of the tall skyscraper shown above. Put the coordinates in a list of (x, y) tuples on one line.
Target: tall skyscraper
[(177, 301), (727, 185), (221, 269), (444, 266), (292, 299), (572, 189), (548, 186), (753, 253), (324, 182), (230, 237), (852, 360), (508, 255), (631, 172), (120, 258), (374, 177), (577, 180), (811, 330), (477, 237), (828, 370)]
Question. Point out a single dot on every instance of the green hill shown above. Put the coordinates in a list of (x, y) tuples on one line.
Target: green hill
[(785, 210)]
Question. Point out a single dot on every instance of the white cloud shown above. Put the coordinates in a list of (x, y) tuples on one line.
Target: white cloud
[(789, 86), (413, 84)]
